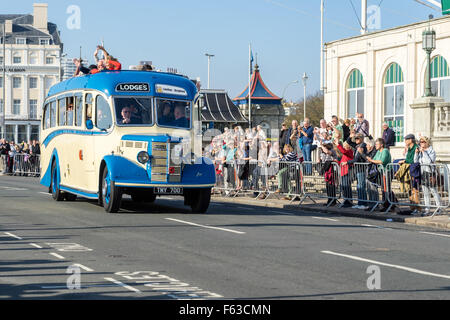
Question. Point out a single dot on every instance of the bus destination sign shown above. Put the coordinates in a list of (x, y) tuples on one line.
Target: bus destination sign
[(133, 87)]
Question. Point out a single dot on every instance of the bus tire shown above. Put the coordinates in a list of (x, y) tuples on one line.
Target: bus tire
[(56, 192), (111, 195), (199, 199)]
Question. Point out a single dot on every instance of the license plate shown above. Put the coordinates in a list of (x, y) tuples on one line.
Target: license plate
[(169, 190)]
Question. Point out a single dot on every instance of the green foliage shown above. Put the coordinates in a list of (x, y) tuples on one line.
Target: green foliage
[(314, 109)]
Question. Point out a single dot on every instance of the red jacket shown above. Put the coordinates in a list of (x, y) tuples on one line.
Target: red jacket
[(346, 156)]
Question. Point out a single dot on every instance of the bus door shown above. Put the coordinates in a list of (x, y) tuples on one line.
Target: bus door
[(84, 148)]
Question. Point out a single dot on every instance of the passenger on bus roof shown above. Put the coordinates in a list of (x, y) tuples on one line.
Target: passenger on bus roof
[(110, 61)]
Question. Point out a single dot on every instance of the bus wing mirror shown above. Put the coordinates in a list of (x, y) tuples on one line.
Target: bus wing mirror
[(89, 124)]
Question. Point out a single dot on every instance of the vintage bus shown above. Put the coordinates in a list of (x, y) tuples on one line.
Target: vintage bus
[(124, 132)]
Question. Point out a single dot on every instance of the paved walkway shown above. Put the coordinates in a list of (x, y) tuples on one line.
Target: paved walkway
[(441, 221)]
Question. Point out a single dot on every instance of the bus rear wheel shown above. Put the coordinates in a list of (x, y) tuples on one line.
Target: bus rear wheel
[(111, 194), (199, 199), (56, 192)]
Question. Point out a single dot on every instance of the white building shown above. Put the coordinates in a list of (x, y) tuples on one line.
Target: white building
[(68, 68), (32, 57), (381, 74)]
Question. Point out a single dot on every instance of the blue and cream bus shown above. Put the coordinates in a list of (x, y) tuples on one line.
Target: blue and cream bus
[(124, 132)]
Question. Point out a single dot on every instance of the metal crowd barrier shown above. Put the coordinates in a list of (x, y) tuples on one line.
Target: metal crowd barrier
[(425, 189), (321, 180), (3, 163), (26, 165), (363, 183)]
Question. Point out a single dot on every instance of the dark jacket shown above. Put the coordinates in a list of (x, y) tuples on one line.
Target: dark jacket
[(389, 137), (357, 157)]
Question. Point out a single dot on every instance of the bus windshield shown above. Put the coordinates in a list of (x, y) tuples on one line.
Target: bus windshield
[(133, 111), (171, 113)]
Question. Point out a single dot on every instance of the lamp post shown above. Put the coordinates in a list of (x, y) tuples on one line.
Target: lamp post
[(428, 44), (209, 65), (304, 78), (284, 90)]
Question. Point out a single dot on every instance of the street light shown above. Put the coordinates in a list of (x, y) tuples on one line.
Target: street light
[(304, 78), (428, 44), (284, 90), (209, 64)]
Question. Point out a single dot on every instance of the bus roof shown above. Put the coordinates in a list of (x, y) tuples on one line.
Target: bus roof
[(131, 82)]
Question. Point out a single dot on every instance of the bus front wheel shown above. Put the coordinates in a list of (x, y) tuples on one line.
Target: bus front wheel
[(199, 199), (111, 194)]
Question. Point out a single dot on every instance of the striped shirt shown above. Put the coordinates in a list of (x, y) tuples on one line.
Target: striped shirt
[(291, 156)]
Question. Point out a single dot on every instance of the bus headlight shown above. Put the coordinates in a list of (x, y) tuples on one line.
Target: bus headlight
[(143, 157)]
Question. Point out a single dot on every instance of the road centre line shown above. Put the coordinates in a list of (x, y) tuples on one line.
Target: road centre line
[(203, 226), (413, 270), (123, 285), (57, 255), (13, 235)]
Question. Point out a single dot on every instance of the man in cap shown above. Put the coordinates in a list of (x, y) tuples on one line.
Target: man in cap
[(410, 149)]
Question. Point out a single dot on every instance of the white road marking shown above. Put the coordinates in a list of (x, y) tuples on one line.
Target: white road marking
[(83, 267), (372, 226), (203, 226), (426, 273), (436, 234), (35, 245), (322, 218), (46, 193), (123, 285), (57, 255), (71, 247), (13, 235), (13, 188)]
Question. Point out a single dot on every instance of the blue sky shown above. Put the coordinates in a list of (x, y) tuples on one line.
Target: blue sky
[(285, 34)]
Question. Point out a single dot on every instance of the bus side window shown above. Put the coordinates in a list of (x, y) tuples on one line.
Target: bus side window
[(103, 113), (52, 114), (88, 106), (78, 110), (46, 117), (69, 111), (62, 112)]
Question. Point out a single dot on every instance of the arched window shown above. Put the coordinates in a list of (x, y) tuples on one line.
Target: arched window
[(440, 78), (355, 94), (394, 99)]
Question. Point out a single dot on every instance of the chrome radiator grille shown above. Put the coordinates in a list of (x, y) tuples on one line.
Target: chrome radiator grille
[(163, 165)]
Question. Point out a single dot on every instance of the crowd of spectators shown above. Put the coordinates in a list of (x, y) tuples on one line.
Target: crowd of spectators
[(345, 142), (9, 150)]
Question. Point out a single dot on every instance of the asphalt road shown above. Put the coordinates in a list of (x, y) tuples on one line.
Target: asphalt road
[(75, 250)]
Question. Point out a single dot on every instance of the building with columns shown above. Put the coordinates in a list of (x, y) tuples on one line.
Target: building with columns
[(32, 58), (382, 74)]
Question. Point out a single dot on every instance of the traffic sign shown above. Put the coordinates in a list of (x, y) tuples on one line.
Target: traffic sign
[(445, 6)]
